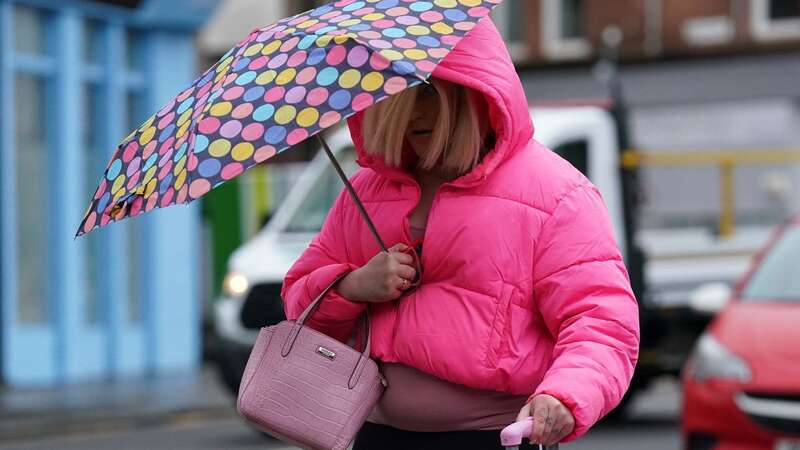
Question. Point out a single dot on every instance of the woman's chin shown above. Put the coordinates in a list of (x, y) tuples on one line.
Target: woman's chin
[(419, 143)]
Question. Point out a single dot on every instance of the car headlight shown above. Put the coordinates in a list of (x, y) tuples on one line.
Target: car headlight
[(235, 285), (711, 359)]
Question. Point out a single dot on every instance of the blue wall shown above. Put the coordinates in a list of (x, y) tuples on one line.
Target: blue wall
[(151, 262)]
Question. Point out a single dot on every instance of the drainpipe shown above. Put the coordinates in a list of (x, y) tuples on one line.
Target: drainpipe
[(738, 18), (607, 71), (653, 27)]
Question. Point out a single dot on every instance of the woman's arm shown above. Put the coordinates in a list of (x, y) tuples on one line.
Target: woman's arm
[(583, 292), (319, 265)]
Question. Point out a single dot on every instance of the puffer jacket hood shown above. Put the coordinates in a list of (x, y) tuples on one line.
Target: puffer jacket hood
[(523, 288), (476, 62)]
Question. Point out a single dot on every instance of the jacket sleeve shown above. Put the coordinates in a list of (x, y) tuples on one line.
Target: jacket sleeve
[(583, 292), (320, 264)]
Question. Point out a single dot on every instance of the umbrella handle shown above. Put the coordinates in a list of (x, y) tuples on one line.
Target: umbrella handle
[(352, 193)]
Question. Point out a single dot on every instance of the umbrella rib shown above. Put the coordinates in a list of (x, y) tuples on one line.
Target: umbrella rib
[(352, 193)]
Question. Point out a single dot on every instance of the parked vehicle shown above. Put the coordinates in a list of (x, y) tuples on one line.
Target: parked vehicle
[(742, 381), (586, 135)]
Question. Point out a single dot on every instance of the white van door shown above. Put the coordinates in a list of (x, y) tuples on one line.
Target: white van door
[(585, 136)]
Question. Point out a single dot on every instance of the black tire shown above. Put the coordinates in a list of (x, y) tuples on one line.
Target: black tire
[(230, 362), (620, 412)]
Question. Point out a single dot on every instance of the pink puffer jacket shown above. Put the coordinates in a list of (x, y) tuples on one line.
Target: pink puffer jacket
[(524, 289)]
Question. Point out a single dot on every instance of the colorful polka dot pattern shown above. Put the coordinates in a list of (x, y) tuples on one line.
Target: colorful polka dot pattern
[(277, 87)]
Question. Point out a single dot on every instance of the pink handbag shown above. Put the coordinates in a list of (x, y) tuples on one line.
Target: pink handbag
[(306, 388)]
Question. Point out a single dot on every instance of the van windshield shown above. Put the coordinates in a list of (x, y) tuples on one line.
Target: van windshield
[(311, 214), (777, 277)]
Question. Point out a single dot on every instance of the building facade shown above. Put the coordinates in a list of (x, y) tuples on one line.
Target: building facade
[(717, 75), (75, 78), (547, 32)]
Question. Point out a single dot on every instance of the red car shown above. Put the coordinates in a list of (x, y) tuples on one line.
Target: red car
[(742, 382)]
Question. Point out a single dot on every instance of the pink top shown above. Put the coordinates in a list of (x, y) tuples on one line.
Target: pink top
[(417, 232), (418, 401)]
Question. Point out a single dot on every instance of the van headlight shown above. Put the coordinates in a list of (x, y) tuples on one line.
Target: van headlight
[(710, 359), (235, 285)]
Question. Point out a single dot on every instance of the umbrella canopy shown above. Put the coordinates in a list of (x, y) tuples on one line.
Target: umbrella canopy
[(280, 85)]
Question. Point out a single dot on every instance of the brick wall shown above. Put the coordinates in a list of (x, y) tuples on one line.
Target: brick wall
[(654, 29)]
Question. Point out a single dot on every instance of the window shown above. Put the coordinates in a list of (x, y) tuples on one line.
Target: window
[(29, 30), (576, 153), (311, 214), (784, 9), (132, 48), (92, 42), (706, 31), (32, 197), (563, 29), (772, 20), (572, 19), (94, 156), (511, 19), (778, 275), (32, 90), (135, 114)]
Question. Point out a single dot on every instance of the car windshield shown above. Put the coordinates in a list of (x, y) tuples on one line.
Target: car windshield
[(778, 275), (311, 214)]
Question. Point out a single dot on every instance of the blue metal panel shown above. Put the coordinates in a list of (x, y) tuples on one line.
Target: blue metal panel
[(27, 351), (131, 359), (31, 357), (169, 339), (63, 259), (172, 233), (80, 354), (91, 348), (111, 271), (38, 65), (101, 338), (133, 81), (126, 342), (108, 13), (93, 73), (115, 275), (6, 109)]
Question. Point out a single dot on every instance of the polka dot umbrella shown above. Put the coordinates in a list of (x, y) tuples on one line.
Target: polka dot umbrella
[(278, 86)]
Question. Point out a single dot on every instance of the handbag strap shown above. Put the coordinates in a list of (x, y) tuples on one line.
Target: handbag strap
[(312, 308)]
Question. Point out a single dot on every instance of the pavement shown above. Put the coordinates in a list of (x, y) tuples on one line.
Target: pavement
[(113, 406), (194, 411)]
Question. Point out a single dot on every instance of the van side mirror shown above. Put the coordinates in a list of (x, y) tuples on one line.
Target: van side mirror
[(710, 298)]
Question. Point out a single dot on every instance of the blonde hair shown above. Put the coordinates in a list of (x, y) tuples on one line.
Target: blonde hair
[(456, 139)]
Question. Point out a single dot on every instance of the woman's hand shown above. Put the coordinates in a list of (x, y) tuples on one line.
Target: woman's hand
[(382, 279), (552, 421)]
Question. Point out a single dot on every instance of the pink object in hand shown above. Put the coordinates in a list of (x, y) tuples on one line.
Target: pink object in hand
[(307, 388), (512, 435)]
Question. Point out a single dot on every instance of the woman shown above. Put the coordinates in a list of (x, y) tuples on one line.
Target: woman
[(524, 306)]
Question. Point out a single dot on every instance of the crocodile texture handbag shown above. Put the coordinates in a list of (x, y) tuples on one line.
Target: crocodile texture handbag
[(306, 388)]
